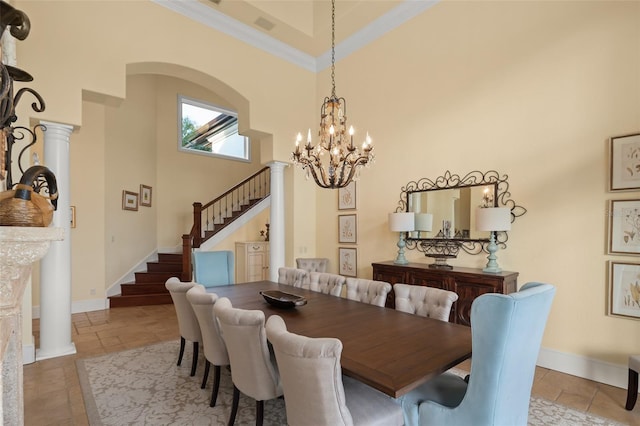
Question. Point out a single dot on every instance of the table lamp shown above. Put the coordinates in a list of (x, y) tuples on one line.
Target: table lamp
[(401, 222), (493, 219), (424, 223)]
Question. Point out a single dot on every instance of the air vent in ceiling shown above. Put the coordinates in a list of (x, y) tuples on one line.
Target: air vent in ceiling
[(264, 23)]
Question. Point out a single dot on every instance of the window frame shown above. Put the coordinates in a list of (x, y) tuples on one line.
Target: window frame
[(207, 105)]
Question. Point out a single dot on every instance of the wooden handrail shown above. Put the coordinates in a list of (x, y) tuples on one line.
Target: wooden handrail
[(194, 238)]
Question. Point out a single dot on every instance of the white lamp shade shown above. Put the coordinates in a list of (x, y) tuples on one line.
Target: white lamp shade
[(402, 222), (424, 222), (493, 219)]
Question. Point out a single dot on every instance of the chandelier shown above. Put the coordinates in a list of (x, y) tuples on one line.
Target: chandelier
[(335, 160)]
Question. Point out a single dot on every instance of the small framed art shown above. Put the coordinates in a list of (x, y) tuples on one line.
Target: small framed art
[(347, 228), (624, 227), (347, 197), (625, 162), (145, 195), (348, 261), (129, 200), (624, 289)]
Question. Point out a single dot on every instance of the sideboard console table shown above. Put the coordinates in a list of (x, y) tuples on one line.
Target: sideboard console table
[(468, 283)]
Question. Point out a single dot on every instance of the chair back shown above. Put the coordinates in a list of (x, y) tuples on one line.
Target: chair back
[(293, 276), (215, 351), (368, 291), (187, 322), (507, 332), (326, 283), (213, 268), (252, 370), (313, 264), (424, 301), (311, 376)]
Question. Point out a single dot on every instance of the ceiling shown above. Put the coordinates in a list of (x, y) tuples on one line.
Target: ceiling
[(300, 30)]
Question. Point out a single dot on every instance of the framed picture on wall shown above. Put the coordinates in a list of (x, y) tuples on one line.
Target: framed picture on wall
[(145, 195), (347, 228), (625, 162), (624, 289), (624, 227), (129, 200), (347, 197), (348, 261)]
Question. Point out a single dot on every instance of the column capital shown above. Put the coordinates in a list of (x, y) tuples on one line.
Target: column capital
[(63, 130), (277, 165)]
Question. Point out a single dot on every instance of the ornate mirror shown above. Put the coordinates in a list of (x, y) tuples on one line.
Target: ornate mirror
[(445, 213)]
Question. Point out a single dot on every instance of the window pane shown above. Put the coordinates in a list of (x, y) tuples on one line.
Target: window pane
[(211, 130)]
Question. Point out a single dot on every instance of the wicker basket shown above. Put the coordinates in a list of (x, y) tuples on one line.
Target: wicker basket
[(24, 207)]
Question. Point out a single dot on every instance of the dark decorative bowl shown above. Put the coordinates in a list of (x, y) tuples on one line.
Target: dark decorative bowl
[(280, 299)]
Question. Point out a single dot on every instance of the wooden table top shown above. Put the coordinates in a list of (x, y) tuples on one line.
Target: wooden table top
[(391, 351)]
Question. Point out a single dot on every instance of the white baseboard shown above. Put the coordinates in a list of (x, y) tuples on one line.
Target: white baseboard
[(79, 306), (587, 368)]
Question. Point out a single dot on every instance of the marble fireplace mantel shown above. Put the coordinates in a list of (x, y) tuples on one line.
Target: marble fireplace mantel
[(20, 247)]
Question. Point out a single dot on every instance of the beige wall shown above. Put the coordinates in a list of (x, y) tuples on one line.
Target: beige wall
[(531, 89)]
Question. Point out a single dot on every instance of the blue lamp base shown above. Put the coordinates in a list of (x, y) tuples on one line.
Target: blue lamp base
[(492, 265), (400, 259)]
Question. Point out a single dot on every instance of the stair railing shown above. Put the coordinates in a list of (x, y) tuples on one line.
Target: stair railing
[(212, 217)]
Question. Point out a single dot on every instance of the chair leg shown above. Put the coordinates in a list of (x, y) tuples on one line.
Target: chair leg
[(194, 364), (182, 343), (207, 364), (632, 391), (234, 405), (259, 412), (216, 385)]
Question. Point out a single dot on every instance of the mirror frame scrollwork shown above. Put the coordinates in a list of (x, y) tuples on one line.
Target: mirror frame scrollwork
[(433, 247)]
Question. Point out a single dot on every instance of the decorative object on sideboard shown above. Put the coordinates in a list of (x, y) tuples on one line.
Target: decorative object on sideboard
[(493, 219), (402, 223), (265, 234), (24, 206), (452, 199), (342, 158)]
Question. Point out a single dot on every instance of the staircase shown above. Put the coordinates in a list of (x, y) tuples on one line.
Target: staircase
[(148, 288), (208, 219)]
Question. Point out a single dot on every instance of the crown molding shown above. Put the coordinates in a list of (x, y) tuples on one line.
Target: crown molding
[(212, 18)]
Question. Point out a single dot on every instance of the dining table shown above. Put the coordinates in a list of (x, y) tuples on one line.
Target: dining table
[(388, 350)]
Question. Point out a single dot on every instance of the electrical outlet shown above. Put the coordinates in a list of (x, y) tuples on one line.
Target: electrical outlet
[(92, 292)]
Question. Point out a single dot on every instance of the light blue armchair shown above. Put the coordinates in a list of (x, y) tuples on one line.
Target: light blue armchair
[(506, 335), (213, 268)]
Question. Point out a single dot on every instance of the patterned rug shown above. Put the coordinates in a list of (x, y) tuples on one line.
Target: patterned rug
[(144, 386)]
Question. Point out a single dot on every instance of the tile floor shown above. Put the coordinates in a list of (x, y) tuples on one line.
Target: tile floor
[(52, 394)]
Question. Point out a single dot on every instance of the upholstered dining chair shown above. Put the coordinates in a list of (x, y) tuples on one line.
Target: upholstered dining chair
[(187, 322), (315, 392), (632, 387), (213, 347), (506, 335), (424, 301), (312, 264), (213, 268), (252, 369), (368, 291), (293, 276), (324, 282)]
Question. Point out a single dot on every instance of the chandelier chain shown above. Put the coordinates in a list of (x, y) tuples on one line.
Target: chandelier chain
[(333, 48)]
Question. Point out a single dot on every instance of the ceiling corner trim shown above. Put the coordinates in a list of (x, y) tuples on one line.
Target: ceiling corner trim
[(198, 12)]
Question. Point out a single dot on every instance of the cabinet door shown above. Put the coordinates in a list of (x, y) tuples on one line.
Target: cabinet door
[(468, 290), (255, 266), (390, 275)]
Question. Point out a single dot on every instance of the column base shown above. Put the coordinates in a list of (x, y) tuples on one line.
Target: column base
[(54, 353)]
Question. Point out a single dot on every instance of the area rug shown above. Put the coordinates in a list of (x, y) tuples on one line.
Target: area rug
[(144, 386)]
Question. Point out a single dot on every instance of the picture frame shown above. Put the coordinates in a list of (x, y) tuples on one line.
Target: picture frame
[(72, 214), (624, 289), (347, 228), (625, 162), (347, 197), (129, 200), (145, 195), (348, 261), (624, 227)]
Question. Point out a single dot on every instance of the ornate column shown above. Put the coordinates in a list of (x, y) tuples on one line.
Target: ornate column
[(55, 267), (276, 229), (19, 248)]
